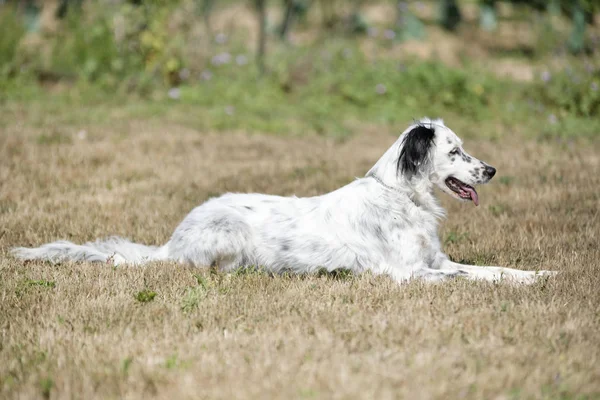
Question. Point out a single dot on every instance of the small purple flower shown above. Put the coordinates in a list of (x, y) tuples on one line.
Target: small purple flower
[(372, 31), (389, 34), (221, 38), (546, 76), (184, 74), (241, 59), (380, 88), (174, 93), (402, 6), (420, 6), (229, 110), (206, 75), (552, 119), (594, 86), (221, 58), (347, 53)]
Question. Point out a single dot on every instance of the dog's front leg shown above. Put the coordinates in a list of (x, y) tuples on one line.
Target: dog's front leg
[(405, 272), (495, 273)]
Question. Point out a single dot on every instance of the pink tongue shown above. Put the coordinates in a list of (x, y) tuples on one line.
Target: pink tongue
[(473, 195)]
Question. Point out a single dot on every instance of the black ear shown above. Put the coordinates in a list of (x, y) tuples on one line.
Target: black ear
[(415, 150)]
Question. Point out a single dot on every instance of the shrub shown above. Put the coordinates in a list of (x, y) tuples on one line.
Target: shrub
[(571, 91)]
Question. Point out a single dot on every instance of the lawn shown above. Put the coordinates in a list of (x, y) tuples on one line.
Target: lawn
[(79, 161), (166, 331)]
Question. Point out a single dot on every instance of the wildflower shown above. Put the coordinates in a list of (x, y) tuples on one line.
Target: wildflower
[(241, 59), (221, 58), (589, 68), (594, 86), (372, 31), (221, 38), (184, 74), (206, 75), (546, 76), (552, 119), (229, 110), (82, 134), (174, 93), (380, 88), (389, 34)]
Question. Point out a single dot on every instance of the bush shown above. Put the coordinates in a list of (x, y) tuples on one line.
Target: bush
[(13, 31), (571, 91)]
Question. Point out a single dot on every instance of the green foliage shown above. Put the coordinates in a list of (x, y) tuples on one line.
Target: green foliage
[(126, 365), (123, 49), (571, 91), (332, 87), (145, 296), (194, 295), (455, 237), (192, 298), (13, 31), (46, 386), (41, 283)]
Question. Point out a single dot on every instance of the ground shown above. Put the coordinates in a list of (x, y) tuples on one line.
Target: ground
[(167, 331), (80, 162)]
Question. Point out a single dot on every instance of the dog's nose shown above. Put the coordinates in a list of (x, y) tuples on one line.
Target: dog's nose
[(490, 171)]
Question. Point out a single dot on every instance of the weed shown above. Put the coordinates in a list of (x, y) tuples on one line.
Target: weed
[(46, 386), (41, 283), (145, 296), (454, 237)]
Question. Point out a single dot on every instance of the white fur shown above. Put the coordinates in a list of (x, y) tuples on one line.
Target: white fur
[(385, 223)]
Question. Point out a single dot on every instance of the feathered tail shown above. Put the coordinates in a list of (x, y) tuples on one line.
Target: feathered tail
[(114, 250)]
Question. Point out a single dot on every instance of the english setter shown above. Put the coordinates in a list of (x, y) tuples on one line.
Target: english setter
[(385, 222)]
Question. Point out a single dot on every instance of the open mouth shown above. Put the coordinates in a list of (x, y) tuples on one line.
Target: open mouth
[(463, 190)]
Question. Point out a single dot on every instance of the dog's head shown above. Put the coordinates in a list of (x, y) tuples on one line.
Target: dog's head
[(431, 151)]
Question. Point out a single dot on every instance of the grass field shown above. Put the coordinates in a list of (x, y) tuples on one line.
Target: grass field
[(81, 161), (166, 331)]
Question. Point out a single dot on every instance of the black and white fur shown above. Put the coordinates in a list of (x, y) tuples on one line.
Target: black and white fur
[(385, 222)]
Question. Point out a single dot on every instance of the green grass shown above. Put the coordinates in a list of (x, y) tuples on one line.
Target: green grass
[(145, 296), (41, 283), (336, 98)]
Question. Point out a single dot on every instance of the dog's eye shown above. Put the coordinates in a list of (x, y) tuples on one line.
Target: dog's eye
[(455, 151)]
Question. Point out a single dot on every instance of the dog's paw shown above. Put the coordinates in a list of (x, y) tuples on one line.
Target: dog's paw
[(546, 273)]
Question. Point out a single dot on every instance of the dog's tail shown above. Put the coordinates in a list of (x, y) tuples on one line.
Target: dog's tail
[(114, 250)]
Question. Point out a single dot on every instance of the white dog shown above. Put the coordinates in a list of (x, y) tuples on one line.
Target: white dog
[(385, 222)]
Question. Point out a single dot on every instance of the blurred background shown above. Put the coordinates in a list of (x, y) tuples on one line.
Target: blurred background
[(296, 66)]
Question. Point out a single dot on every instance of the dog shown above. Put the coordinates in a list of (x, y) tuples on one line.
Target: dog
[(385, 222)]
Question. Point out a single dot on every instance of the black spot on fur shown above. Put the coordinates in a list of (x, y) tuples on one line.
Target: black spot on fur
[(248, 208), (284, 245), (379, 233), (415, 150)]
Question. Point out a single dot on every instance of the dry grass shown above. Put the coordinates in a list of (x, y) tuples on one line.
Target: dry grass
[(78, 331)]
